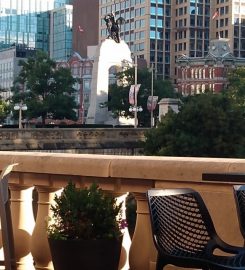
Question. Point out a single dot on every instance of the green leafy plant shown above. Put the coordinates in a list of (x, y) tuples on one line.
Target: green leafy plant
[(86, 213)]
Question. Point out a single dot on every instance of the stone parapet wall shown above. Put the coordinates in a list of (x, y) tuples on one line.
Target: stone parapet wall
[(64, 138), (47, 173)]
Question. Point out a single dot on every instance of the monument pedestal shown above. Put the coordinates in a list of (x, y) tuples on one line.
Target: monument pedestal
[(108, 54)]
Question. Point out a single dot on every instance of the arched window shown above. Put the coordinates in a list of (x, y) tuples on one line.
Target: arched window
[(196, 73), (200, 73), (87, 69), (192, 73), (75, 68), (204, 73)]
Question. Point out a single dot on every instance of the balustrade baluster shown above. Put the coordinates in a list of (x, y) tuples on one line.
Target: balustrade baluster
[(142, 254), (23, 224), (39, 243)]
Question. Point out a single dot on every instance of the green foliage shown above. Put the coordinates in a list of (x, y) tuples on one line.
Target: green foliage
[(236, 88), (4, 110), (48, 91), (85, 214), (118, 101), (207, 125)]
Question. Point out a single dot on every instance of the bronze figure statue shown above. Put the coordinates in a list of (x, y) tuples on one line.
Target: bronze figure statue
[(113, 26)]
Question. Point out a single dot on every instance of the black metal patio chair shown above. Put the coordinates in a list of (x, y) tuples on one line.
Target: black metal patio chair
[(6, 222), (239, 194), (184, 234)]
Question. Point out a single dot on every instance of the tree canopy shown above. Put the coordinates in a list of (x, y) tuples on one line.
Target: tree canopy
[(207, 125), (46, 90), (236, 87), (4, 110), (118, 97)]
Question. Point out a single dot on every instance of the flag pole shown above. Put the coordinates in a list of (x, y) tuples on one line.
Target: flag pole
[(215, 15)]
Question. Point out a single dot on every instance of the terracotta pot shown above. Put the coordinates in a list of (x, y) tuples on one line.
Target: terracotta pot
[(103, 254)]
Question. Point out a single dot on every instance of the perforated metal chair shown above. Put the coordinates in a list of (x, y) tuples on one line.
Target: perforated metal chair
[(184, 234), (6, 222), (239, 194)]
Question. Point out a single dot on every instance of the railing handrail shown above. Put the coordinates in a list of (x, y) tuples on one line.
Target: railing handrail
[(141, 167)]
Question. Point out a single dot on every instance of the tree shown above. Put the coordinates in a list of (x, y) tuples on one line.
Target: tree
[(236, 87), (46, 90), (207, 125), (4, 107), (4, 110), (118, 94)]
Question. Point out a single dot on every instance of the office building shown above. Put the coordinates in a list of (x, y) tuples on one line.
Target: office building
[(9, 68), (229, 23), (161, 30), (27, 22), (146, 29), (26, 25), (60, 42)]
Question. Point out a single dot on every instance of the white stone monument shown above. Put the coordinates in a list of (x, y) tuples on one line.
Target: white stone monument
[(108, 54)]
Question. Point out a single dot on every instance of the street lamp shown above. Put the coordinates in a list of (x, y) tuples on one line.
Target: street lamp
[(152, 119), (135, 110), (21, 107)]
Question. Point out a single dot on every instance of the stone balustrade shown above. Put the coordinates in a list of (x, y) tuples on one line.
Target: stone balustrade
[(49, 172)]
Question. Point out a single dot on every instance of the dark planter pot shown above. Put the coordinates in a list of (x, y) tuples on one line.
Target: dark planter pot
[(101, 254)]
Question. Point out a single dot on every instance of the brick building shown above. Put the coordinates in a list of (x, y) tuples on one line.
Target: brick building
[(81, 68), (197, 74)]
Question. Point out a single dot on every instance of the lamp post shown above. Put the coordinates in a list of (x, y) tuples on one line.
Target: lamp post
[(135, 91), (152, 119), (134, 109), (21, 107)]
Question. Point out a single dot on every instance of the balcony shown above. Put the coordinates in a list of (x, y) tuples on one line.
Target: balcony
[(49, 172)]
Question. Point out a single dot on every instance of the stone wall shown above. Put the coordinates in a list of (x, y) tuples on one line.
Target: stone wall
[(59, 139)]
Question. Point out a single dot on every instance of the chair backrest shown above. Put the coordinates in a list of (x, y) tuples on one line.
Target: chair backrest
[(6, 221), (181, 223), (239, 194)]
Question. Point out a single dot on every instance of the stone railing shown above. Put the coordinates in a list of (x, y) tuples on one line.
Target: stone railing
[(76, 139), (49, 172)]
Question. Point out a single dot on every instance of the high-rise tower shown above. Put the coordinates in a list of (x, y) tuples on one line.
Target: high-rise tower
[(161, 30), (26, 22), (146, 29), (230, 23)]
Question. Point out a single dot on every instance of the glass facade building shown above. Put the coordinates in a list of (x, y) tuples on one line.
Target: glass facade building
[(26, 22), (61, 33), (60, 3)]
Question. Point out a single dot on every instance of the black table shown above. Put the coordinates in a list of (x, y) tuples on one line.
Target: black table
[(224, 177)]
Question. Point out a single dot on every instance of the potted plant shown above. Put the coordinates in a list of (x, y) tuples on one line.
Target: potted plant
[(85, 229)]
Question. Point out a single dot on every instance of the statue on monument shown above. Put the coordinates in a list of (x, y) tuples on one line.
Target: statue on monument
[(113, 26)]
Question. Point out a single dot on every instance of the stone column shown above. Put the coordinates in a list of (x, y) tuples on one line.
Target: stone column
[(23, 224), (39, 244), (142, 252)]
